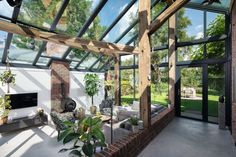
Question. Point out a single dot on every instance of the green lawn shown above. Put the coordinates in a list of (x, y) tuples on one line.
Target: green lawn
[(194, 105)]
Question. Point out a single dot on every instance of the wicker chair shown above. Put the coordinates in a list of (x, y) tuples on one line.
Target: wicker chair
[(59, 118)]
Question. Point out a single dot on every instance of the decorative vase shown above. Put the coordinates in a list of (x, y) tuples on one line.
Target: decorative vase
[(135, 128), (3, 120), (93, 110)]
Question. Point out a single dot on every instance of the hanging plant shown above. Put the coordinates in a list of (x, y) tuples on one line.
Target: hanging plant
[(7, 77)]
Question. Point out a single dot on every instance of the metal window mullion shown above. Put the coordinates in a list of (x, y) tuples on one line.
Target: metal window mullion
[(111, 26), (87, 23), (52, 28), (15, 14), (79, 63)]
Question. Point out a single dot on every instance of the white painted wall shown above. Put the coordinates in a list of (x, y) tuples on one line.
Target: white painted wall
[(39, 81), (77, 90), (30, 80)]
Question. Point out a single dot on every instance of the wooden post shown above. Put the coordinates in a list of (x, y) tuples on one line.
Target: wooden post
[(172, 59), (116, 80), (144, 62), (233, 16)]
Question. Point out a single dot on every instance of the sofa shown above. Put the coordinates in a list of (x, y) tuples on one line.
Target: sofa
[(133, 110)]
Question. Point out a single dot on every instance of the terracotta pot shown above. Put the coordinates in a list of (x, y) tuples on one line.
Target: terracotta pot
[(93, 110), (3, 120)]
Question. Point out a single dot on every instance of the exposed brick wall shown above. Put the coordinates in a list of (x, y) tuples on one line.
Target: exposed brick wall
[(133, 144), (234, 67), (60, 74)]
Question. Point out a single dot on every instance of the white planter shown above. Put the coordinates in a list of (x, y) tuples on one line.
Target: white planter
[(140, 124), (135, 128)]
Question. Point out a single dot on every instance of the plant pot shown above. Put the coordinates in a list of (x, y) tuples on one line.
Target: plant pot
[(9, 79), (80, 113), (135, 128), (3, 120), (93, 110)]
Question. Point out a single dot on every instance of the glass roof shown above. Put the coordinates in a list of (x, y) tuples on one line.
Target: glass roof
[(121, 26), (88, 61), (39, 13), (3, 37), (223, 5), (112, 23), (23, 49), (5, 9), (71, 23)]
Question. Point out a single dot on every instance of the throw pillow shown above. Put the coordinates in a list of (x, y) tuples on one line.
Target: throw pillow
[(135, 105)]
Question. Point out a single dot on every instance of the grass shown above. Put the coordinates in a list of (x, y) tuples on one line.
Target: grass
[(193, 105)]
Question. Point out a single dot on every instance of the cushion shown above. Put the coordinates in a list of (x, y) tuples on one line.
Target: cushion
[(135, 105)]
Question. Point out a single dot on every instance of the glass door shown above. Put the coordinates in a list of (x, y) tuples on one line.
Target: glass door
[(191, 97)]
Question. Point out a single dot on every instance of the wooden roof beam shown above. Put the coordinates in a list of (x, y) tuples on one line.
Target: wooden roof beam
[(165, 15), (89, 45)]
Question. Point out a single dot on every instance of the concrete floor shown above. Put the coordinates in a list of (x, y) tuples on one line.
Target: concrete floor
[(189, 138), (182, 138), (34, 142)]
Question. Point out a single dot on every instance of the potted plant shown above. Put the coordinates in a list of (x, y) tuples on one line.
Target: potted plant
[(7, 77), (4, 109), (86, 136), (134, 122), (92, 85)]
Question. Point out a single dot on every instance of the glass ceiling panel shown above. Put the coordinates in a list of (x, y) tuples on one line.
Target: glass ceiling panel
[(54, 50), (121, 26), (157, 9), (23, 49), (3, 37), (105, 17), (99, 64), (39, 12), (88, 61), (75, 15), (73, 64), (76, 54), (225, 4), (129, 35), (6, 9), (43, 61)]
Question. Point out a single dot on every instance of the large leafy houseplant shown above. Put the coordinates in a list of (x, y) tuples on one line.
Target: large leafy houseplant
[(92, 85), (4, 108), (85, 134)]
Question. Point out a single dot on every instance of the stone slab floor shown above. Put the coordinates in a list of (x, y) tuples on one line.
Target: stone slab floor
[(189, 138)]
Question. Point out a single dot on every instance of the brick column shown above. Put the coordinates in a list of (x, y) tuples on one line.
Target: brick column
[(60, 74), (234, 71)]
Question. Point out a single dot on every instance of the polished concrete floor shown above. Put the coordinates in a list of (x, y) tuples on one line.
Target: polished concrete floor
[(182, 138), (189, 138), (34, 142)]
